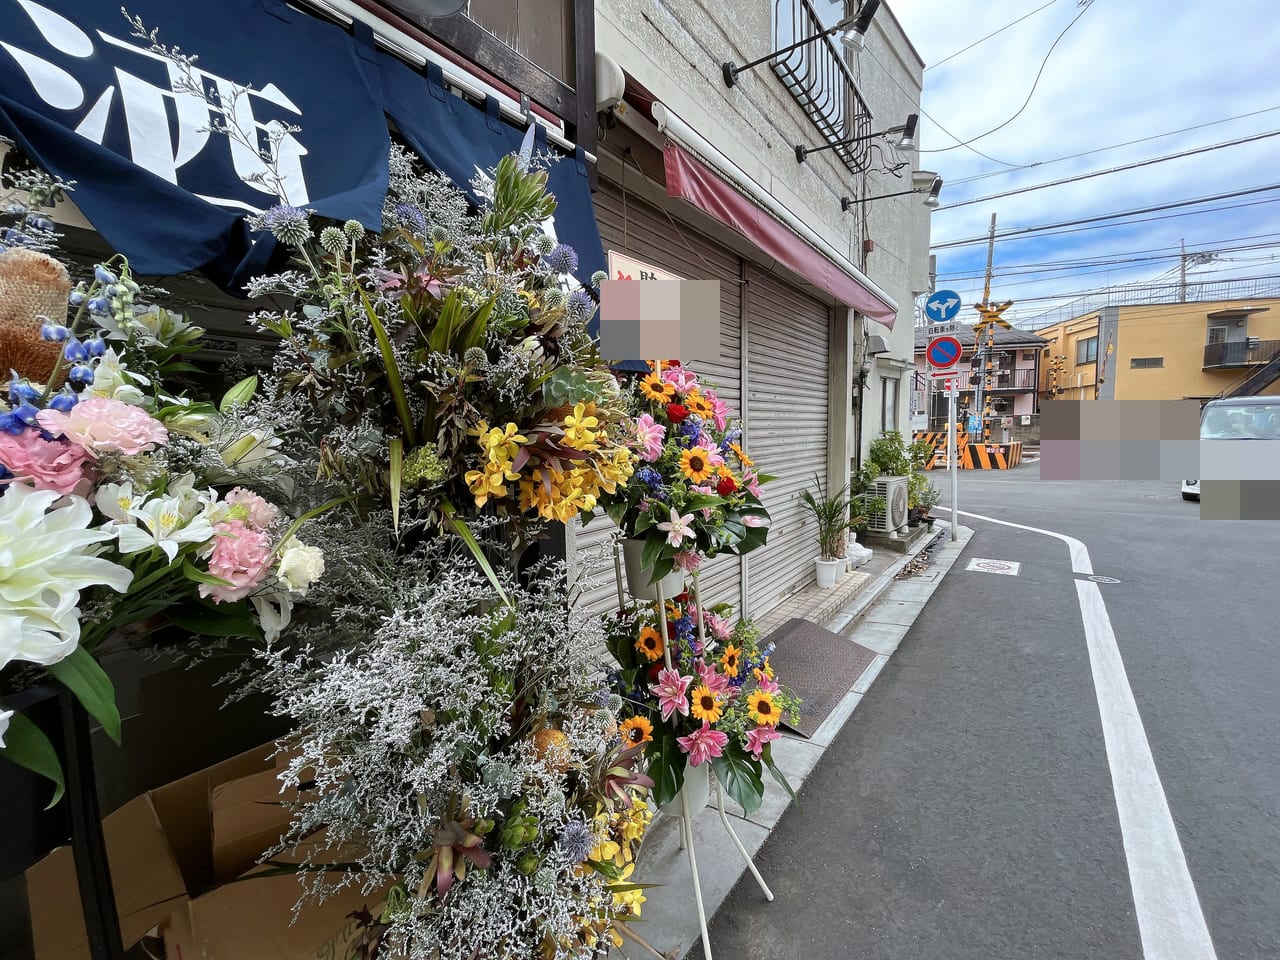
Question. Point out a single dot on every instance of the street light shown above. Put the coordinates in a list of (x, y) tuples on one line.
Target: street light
[(853, 38), (906, 140), (930, 201)]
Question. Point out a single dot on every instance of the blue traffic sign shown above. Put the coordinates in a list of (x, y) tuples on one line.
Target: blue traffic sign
[(943, 352), (942, 306)]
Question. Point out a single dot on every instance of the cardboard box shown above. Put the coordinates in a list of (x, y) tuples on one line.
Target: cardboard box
[(145, 877), (249, 817), (185, 808)]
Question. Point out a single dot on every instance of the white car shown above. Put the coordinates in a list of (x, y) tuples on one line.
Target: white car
[(1236, 418)]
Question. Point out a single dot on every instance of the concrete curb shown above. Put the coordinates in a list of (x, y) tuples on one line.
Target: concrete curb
[(879, 618)]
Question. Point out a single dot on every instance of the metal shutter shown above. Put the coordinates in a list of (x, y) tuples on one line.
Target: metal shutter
[(646, 233), (787, 336)]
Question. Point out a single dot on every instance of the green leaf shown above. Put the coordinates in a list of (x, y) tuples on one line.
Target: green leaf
[(649, 555), (27, 746), (767, 756), (666, 766), (242, 392), (81, 674), (293, 527), (195, 575), (460, 527), (396, 448), (394, 383), (204, 620), (740, 775)]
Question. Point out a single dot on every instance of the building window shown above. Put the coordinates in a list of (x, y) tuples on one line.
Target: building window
[(1217, 335), (1138, 363), (888, 403), (1030, 354), (1087, 350)]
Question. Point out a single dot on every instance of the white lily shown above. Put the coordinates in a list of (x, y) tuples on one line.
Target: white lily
[(46, 559), (116, 501), (678, 530), (111, 378), (162, 523), (4, 725)]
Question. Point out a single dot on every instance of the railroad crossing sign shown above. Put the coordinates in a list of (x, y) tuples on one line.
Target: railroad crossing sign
[(943, 352), (942, 306), (990, 314)]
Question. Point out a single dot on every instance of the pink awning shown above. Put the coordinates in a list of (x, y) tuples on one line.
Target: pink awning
[(691, 180)]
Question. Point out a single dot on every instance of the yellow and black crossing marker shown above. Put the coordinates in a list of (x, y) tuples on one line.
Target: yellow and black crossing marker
[(990, 314)]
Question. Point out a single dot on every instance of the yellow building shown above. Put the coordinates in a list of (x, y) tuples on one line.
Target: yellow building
[(1164, 351)]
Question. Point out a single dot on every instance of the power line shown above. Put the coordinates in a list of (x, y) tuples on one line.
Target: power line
[(1115, 146), (1035, 83), (1109, 216), (1101, 173), (990, 35)]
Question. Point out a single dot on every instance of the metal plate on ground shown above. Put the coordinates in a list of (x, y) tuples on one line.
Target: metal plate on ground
[(818, 666), (1008, 568)]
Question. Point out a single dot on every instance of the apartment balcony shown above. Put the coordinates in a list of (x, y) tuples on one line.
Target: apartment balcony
[(1015, 380), (1240, 353)]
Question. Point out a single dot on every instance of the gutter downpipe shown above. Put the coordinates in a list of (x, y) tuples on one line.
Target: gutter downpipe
[(671, 125)]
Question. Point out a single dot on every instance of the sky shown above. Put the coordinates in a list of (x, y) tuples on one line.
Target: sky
[(1126, 70)]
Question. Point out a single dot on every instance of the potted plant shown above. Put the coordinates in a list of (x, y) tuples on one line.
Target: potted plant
[(929, 498), (832, 515), (917, 484)]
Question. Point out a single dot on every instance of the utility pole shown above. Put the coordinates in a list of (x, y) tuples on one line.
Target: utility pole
[(990, 315), (1182, 273)]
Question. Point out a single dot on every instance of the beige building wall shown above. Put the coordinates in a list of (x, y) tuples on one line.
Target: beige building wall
[(1176, 334), (1077, 380)]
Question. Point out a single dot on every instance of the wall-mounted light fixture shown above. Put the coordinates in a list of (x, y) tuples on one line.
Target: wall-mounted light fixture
[(854, 27), (930, 200), (906, 139)]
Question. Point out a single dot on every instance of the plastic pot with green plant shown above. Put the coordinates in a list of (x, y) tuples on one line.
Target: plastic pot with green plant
[(832, 514)]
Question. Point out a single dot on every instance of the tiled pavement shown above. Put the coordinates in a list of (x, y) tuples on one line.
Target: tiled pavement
[(869, 606)]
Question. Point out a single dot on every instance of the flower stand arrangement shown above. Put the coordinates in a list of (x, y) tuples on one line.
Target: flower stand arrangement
[(694, 495), (433, 402)]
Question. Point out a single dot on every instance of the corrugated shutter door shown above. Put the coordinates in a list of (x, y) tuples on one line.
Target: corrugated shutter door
[(787, 335), (644, 232)]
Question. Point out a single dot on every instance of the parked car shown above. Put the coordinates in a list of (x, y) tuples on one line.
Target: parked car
[(1236, 418)]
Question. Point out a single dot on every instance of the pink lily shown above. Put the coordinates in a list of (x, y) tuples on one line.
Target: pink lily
[(650, 434), (672, 691), (678, 528), (716, 682)]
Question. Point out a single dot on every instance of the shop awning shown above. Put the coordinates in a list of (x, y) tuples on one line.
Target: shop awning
[(690, 179), (85, 95)]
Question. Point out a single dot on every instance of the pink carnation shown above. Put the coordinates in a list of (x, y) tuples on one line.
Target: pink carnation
[(45, 464), (757, 738), (241, 556), (650, 433), (261, 514), (103, 425), (703, 744)]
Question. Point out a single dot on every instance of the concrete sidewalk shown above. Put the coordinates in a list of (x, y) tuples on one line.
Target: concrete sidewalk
[(878, 617)]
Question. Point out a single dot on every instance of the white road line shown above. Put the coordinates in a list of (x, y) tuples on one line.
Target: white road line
[(1170, 920)]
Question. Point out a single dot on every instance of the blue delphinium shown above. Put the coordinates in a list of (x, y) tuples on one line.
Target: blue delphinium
[(649, 477)]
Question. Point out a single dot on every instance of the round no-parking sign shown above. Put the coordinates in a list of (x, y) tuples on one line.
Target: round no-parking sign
[(943, 352)]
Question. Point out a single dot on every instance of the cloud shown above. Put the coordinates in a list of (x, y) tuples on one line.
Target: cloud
[(1123, 72)]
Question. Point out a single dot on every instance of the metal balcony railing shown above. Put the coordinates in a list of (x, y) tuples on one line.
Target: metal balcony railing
[(1019, 379), (1240, 353), (818, 77)]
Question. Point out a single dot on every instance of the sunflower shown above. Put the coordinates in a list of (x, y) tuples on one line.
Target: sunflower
[(761, 708), (656, 389), (706, 705), (741, 455), (650, 644), (636, 730), (698, 404), (731, 660), (695, 463)]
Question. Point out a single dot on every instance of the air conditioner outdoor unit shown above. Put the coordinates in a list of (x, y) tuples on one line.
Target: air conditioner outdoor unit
[(893, 491)]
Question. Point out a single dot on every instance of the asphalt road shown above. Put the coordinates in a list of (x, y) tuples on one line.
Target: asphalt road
[(968, 809)]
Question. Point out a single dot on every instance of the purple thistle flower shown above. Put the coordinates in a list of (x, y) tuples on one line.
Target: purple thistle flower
[(562, 259), (576, 841), (287, 224), (411, 216)]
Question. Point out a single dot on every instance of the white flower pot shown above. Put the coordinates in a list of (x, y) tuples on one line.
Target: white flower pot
[(697, 787), (828, 571), (858, 554), (638, 584)]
